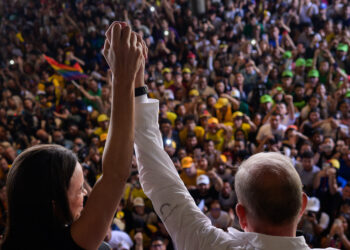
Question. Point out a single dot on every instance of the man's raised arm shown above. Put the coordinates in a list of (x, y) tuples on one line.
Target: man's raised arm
[(186, 224)]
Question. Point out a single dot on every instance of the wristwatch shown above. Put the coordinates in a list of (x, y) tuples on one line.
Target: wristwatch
[(141, 91)]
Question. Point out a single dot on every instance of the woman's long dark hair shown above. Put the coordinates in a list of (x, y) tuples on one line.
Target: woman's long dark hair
[(37, 187)]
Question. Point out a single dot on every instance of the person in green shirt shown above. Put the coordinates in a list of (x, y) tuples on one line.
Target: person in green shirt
[(94, 90)]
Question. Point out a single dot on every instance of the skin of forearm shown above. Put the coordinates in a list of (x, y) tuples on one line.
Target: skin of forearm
[(345, 241), (121, 132)]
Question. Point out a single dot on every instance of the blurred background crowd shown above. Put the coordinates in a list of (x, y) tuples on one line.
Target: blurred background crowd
[(233, 77)]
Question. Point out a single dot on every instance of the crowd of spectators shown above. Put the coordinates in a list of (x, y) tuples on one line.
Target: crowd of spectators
[(238, 78)]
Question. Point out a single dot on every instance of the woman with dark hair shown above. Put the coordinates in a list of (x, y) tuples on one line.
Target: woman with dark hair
[(46, 184)]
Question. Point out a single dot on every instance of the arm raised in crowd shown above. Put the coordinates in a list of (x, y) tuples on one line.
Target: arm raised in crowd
[(124, 58), (90, 97), (186, 224)]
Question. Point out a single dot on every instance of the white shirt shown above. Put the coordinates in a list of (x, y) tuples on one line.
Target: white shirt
[(307, 177), (189, 228), (266, 130), (311, 9), (222, 221)]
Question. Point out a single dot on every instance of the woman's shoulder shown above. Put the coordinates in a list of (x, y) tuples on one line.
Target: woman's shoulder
[(64, 240), (60, 239)]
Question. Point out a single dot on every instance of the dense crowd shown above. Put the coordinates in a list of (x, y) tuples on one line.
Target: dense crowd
[(238, 78)]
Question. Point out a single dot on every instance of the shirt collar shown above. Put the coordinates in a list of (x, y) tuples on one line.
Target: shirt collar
[(263, 241)]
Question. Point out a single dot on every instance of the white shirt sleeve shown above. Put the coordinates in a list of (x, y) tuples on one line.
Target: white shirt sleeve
[(189, 228)]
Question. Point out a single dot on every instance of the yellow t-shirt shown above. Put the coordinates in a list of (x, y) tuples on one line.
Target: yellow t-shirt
[(191, 181), (218, 138), (245, 127), (99, 131), (58, 82), (330, 37), (198, 130), (227, 117), (168, 84), (136, 192)]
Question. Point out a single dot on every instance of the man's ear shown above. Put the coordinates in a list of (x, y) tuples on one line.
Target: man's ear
[(241, 213), (303, 204)]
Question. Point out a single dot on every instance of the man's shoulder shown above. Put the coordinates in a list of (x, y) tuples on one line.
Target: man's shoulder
[(265, 127)]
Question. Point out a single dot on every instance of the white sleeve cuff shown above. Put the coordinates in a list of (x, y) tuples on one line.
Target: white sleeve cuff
[(141, 99)]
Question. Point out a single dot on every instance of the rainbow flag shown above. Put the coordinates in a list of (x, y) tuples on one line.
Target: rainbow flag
[(68, 72)]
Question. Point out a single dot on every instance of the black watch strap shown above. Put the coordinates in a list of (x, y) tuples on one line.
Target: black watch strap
[(141, 91)]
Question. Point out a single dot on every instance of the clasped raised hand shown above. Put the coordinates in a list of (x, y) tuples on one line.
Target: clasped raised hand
[(123, 52)]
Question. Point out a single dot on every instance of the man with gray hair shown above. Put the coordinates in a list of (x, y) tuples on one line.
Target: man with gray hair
[(270, 197), (269, 191)]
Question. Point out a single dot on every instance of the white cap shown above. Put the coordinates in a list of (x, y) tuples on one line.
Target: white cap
[(203, 179), (313, 204), (168, 93), (235, 93)]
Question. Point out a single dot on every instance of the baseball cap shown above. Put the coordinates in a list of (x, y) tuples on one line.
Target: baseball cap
[(343, 47), (292, 127), (221, 103), (266, 99), (166, 70), (102, 118), (191, 55), (186, 70), (186, 162), (237, 114), (309, 62), (313, 73), (236, 94), (287, 73), (193, 92), (313, 204), (205, 114), (287, 54), (279, 89), (169, 95), (138, 202), (300, 62), (202, 179), (213, 120)]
